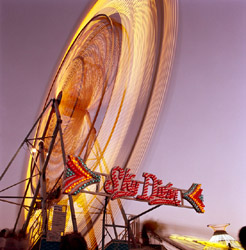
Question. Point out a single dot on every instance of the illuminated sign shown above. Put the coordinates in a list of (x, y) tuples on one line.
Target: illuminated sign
[(122, 184), (78, 176)]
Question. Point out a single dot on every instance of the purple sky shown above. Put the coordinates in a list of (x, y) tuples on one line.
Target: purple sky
[(200, 135)]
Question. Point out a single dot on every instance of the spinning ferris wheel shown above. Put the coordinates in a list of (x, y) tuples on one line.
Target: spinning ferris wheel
[(101, 106)]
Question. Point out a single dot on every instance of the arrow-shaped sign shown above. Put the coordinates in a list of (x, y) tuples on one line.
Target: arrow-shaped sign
[(194, 197), (77, 176)]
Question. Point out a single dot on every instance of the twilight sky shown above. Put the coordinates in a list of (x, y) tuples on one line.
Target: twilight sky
[(200, 136)]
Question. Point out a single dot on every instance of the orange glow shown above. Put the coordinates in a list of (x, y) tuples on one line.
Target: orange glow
[(114, 76)]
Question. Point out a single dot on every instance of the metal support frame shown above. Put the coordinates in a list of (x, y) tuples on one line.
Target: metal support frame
[(59, 121), (41, 185), (129, 230), (44, 164), (24, 141), (32, 170), (126, 227), (131, 238), (44, 170), (23, 200)]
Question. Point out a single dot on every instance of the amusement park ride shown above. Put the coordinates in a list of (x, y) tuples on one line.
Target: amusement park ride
[(95, 125)]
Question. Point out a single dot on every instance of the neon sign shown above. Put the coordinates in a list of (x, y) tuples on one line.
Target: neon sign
[(78, 176), (120, 183), (154, 194)]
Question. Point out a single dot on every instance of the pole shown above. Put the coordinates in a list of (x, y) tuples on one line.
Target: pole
[(145, 212), (43, 187), (59, 121), (75, 227), (25, 225), (103, 226)]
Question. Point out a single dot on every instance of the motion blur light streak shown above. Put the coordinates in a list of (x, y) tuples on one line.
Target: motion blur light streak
[(113, 78)]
